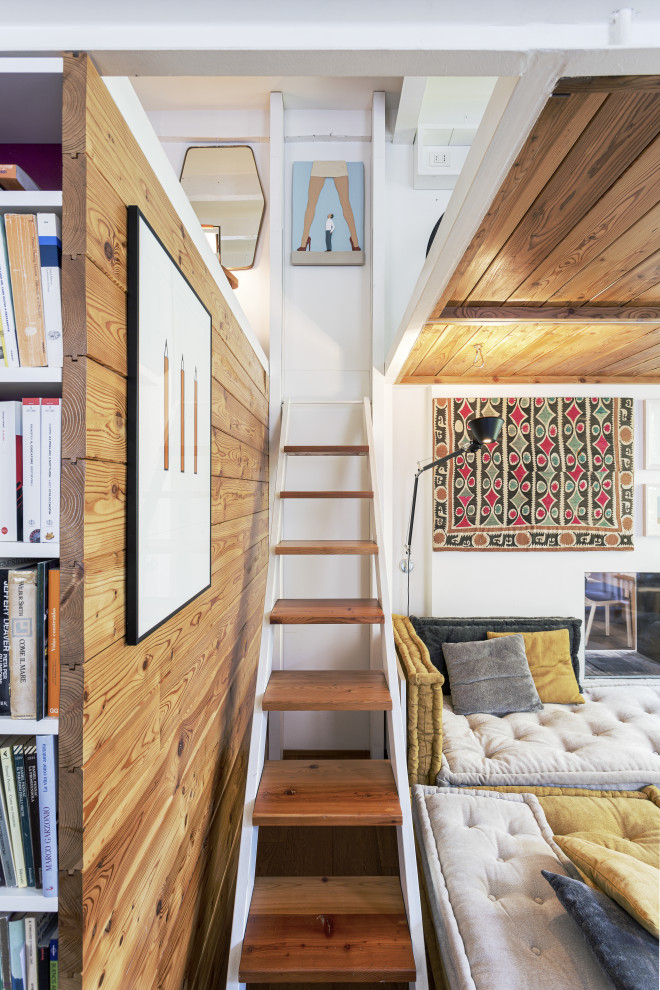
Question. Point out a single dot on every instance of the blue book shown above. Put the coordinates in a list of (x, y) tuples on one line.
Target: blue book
[(47, 773), (17, 953)]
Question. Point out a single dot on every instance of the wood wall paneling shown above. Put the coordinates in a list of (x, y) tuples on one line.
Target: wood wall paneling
[(153, 737)]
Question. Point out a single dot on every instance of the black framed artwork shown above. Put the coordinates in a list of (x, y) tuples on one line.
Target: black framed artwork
[(168, 435)]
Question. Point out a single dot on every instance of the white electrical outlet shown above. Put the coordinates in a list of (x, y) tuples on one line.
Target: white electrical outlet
[(439, 159)]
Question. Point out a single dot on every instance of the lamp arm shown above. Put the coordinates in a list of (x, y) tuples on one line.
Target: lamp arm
[(473, 445)]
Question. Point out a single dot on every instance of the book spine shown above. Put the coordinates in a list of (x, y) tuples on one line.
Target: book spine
[(24, 812), (49, 230), (23, 643), (42, 636), (4, 642), (30, 752), (16, 178), (8, 472), (48, 812), (25, 272), (5, 959), (13, 814), (51, 444), (5, 843), (7, 321), (53, 952), (31, 469), (53, 641), (43, 965), (19, 470), (17, 953), (31, 953)]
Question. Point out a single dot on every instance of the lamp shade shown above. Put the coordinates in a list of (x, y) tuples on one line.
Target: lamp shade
[(486, 429)]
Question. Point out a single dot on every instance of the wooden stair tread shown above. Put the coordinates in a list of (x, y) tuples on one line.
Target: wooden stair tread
[(327, 691), (327, 792), (327, 929), (292, 611), (326, 547), (327, 450), (320, 494)]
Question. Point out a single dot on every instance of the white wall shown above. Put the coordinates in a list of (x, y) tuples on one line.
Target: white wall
[(534, 582)]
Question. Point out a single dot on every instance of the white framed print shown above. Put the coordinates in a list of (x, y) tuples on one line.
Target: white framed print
[(168, 435), (652, 434), (652, 510)]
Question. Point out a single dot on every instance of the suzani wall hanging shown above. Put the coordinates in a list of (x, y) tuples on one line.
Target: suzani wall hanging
[(560, 478)]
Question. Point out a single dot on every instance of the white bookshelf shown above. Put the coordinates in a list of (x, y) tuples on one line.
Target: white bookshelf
[(26, 899), (31, 201), (29, 726), (31, 551)]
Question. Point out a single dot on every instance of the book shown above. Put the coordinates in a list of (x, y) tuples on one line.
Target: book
[(17, 952), (46, 769), (51, 447), (53, 963), (31, 953), (30, 754), (31, 416), (4, 641), (49, 232), (5, 961), (23, 642), (43, 967), (5, 843), (13, 814), (43, 569), (7, 323), (11, 470), (14, 178), (24, 811), (25, 273), (53, 665)]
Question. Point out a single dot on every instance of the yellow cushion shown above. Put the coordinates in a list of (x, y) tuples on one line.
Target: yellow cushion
[(616, 823), (549, 658), (632, 884)]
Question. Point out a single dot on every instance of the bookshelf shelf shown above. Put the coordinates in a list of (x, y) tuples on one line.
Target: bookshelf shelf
[(26, 899), (31, 201), (29, 727), (33, 551)]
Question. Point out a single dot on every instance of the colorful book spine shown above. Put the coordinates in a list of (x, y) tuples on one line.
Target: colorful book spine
[(5, 959), (49, 231), (7, 322), (51, 447), (17, 952), (48, 812), (31, 953), (53, 964), (13, 814), (4, 642), (53, 641), (31, 416), (24, 812), (11, 469), (25, 271), (5, 843), (30, 753), (23, 642)]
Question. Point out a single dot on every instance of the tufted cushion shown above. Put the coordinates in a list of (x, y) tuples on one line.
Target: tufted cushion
[(549, 659), (496, 921), (611, 741), (434, 632)]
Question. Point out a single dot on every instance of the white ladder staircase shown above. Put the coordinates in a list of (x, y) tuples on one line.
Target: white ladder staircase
[(311, 930)]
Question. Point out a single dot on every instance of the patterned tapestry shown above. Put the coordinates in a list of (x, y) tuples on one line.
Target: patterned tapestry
[(559, 478)]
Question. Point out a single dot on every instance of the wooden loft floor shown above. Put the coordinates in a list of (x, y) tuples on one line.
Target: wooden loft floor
[(561, 283)]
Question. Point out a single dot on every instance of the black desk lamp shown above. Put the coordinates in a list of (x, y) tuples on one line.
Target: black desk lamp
[(484, 429)]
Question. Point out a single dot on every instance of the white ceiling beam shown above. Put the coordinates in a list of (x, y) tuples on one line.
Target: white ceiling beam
[(511, 113), (410, 107), (210, 125)]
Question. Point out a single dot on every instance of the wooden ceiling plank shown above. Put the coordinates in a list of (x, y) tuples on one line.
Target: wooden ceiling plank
[(615, 137), (643, 363), (424, 344), (580, 342), (652, 378), (520, 342), (606, 84), (453, 340), (560, 124), (653, 292), (623, 343), (500, 315), (641, 279), (490, 338), (555, 339), (624, 254)]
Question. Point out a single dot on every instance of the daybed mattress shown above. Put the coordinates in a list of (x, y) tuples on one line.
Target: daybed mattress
[(612, 741), (497, 920)]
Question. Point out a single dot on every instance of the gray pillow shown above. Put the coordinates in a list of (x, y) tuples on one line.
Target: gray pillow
[(625, 950), (491, 676)]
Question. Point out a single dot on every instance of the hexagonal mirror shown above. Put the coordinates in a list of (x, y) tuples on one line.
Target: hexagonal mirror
[(222, 184)]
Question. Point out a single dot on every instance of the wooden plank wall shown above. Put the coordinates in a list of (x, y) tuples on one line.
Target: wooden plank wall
[(154, 738)]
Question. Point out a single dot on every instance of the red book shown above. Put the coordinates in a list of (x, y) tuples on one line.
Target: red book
[(53, 642)]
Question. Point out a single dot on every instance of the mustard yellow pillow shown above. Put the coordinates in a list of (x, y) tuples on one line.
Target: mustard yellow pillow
[(632, 884), (549, 658)]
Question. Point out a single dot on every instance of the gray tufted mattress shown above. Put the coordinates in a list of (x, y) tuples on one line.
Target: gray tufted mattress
[(612, 741), (497, 921)]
